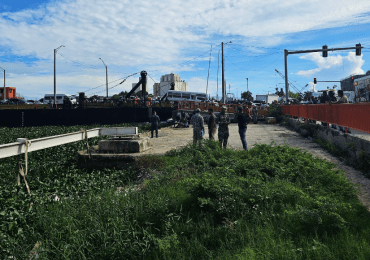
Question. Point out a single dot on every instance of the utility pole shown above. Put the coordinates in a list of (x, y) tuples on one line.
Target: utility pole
[(4, 85), (247, 85), (223, 74), (209, 66), (55, 76), (218, 63), (324, 51), (106, 75)]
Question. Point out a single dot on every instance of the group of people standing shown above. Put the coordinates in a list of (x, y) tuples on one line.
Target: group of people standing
[(223, 120)]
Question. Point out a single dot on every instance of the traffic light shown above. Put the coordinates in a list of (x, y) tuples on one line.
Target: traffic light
[(358, 49), (314, 81), (325, 53)]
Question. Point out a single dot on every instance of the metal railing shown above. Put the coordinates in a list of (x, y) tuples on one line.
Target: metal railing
[(19, 147)]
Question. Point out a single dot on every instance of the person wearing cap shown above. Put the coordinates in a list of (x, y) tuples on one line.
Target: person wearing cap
[(211, 124), (223, 131), (198, 126), (155, 121), (242, 120)]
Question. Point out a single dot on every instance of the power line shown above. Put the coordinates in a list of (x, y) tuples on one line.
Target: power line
[(186, 61), (124, 79), (102, 85), (77, 62)]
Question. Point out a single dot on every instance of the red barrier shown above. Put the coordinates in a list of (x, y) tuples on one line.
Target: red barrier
[(353, 116)]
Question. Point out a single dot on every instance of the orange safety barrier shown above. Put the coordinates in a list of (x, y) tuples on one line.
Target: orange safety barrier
[(353, 116)]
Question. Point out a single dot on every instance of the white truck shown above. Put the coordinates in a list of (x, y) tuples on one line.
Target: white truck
[(362, 89), (269, 98)]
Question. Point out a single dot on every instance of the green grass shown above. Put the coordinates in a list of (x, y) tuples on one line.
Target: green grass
[(200, 203), (51, 172)]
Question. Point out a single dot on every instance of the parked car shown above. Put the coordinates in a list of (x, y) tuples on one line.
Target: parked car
[(19, 101)]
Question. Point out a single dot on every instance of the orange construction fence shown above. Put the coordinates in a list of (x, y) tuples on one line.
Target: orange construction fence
[(353, 116)]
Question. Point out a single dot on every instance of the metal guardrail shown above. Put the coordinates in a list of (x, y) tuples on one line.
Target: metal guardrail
[(353, 116), (19, 147)]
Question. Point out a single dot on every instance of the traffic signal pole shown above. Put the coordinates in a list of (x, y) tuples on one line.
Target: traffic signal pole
[(4, 86), (223, 75), (324, 50)]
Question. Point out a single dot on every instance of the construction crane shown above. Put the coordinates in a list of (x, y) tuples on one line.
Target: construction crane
[(290, 83), (303, 88)]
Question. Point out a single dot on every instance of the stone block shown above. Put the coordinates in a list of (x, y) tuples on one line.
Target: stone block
[(124, 146)]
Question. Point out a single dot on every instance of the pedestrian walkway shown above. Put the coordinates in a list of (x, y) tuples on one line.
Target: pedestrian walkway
[(172, 138)]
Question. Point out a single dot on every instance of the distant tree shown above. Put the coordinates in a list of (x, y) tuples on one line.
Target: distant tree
[(123, 93), (247, 95), (139, 94), (307, 95), (294, 95)]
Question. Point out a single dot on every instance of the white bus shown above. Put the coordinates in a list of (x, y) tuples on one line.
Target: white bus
[(174, 95), (60, 98)]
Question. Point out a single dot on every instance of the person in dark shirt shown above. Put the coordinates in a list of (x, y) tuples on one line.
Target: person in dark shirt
[(211, 124), (324, 97), (243, 120), (155, 121)]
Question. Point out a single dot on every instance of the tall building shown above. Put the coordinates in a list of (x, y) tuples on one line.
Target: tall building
[(140, 87), (159, 89)]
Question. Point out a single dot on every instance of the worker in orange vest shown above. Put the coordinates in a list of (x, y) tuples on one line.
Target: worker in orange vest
[(136, 101), (149, 101)]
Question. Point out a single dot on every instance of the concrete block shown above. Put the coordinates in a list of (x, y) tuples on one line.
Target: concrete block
[(124, 146), (271, 120), (352, 145)]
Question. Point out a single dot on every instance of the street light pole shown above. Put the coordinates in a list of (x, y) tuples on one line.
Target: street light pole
[(106, 75), (4, 85), (55, 76), (223, 73)]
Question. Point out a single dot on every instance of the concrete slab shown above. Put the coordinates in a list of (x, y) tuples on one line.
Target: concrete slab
[(124, 145)]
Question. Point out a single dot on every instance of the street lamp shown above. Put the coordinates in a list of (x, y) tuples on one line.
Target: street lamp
[(55, 76), (106, 75), (4, 84), (223, 73)]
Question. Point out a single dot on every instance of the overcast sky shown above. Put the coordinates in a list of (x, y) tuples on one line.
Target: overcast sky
[(180, 37)]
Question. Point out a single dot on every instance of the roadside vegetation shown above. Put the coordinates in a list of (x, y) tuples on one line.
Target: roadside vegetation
[(194, 203), (361, 160)]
